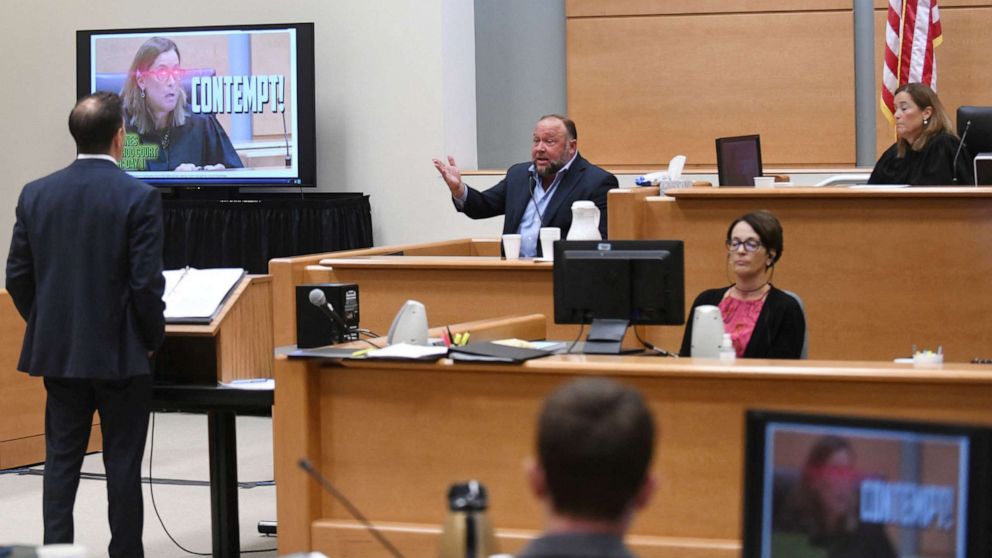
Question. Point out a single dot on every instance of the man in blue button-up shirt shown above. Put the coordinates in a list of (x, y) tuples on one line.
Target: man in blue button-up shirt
[(539, 193)]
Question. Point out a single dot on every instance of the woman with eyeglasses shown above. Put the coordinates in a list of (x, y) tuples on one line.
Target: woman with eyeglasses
[(763, 322), (171, 136)]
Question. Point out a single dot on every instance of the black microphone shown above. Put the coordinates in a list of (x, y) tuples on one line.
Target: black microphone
[(307, 466), (960, 145), (319, 299)]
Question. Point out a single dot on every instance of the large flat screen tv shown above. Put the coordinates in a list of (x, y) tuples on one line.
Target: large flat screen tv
[(828, 486), (229, 105)]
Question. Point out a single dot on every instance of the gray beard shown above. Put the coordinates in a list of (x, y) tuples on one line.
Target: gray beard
[(551, 170)]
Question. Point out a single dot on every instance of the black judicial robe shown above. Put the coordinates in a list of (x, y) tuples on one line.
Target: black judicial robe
[(201, 140), (933, 165)]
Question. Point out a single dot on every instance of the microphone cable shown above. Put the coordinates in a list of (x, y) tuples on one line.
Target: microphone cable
[(533, 186), (151, 492), (651, 347), (577, 337), (308, 467)]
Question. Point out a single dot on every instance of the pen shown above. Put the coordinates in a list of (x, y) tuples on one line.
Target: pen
[(360, 353), (250, 381), (445, 338)]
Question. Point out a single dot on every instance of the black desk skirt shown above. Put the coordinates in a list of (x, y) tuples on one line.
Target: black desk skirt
[(250, 231)]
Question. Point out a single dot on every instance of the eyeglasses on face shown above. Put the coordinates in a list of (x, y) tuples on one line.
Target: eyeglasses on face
[(750, 245), (163, 74)]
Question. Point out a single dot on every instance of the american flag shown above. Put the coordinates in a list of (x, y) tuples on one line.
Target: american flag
[(912, 32)]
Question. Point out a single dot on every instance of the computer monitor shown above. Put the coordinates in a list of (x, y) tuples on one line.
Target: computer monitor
[(613, 283), (978, 141), (889, 487), (738, 160)]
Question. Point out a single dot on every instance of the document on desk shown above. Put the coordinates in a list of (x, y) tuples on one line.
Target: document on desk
[(194, 296), (252, 384), (405, 351)]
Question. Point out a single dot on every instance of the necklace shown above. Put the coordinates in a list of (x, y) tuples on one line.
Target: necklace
[(742, 291), (164, 141)]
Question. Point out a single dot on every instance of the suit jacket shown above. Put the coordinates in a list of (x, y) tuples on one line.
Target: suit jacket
[(85, 272), (576, 545), (583, 181)]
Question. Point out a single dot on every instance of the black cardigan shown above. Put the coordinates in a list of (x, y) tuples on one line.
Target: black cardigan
[(779, 332)]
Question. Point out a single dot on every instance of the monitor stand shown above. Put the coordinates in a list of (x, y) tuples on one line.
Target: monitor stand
[(605, 337)]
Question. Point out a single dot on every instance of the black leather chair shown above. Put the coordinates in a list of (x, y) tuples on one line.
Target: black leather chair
[(979, 139)]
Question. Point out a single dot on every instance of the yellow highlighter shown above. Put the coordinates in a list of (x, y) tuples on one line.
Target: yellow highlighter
[(458, 339), (465, 337)]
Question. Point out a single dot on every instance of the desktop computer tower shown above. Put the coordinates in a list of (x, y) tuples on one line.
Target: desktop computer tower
[(315, 326)]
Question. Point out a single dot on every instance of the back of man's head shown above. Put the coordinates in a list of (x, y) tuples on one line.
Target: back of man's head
[(95, 120), (595, 440)]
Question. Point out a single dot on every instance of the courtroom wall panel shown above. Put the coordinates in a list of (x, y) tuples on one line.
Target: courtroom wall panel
[(644, 89), (594, 8), (650, 79)]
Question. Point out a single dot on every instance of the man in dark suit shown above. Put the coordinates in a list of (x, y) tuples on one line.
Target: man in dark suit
[(539, 193), (85, 272), (595, 440)]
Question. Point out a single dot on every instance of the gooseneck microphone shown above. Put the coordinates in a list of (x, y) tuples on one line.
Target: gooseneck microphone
[(958, 153), (307, 466), (319, 299)]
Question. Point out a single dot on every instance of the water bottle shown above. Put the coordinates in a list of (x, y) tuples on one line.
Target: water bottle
[(467, 530), (727, 353)]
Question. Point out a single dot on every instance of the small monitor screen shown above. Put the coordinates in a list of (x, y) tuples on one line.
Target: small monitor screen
[(738, 160), (831, 486)]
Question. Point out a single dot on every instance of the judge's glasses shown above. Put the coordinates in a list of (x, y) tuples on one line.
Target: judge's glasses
[(163, 74)]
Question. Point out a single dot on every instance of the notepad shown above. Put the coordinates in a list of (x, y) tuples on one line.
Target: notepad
[(495, 352), (194, 296)]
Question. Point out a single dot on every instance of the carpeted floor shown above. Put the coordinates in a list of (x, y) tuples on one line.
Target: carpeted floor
[(180, 453)]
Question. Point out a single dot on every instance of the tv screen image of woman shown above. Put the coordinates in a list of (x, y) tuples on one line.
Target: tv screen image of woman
[(158, 114), (819, 516)]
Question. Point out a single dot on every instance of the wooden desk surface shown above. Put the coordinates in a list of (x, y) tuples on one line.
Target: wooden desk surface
[(395, 435), (438, 262)]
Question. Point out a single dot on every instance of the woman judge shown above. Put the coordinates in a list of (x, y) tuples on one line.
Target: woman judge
[(926, 151), (156, 109), (763, 322)]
